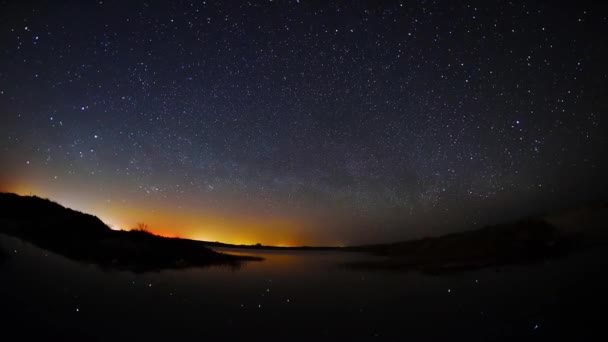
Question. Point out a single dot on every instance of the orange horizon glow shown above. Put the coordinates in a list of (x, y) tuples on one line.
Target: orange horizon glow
[(187, 223)]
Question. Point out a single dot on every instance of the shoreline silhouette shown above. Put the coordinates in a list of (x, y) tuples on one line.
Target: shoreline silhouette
[(86, 238)]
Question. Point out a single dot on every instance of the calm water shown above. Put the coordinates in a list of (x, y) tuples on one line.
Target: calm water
[(300, 296)]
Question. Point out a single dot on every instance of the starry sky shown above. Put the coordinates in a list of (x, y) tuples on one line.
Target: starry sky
[(304, 122)]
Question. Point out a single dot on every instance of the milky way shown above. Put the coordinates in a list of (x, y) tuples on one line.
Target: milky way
[(293, 122)]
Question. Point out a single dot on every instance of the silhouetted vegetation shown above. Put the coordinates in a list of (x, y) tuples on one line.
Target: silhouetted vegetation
[(142, 227), (86, 238)]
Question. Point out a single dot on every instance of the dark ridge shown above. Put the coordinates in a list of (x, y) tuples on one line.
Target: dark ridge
[(86, 238), (522, 242)]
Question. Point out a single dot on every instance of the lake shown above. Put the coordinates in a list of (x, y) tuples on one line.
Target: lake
[(300, 295)]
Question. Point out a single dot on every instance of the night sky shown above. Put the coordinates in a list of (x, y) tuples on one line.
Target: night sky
[(304, 122)]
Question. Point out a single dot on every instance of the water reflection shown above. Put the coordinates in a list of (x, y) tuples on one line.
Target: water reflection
[(299, 295), (296, 261), (3, 255)]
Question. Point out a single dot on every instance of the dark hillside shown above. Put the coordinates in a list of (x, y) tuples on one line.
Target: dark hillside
[(86, 238)]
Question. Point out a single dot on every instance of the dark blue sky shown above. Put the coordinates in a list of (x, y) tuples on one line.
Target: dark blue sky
[(304, 122)]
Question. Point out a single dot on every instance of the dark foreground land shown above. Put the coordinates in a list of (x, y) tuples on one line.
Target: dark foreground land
[(86, 238)]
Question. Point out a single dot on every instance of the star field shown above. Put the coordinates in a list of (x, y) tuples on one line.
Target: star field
[(304, 122)]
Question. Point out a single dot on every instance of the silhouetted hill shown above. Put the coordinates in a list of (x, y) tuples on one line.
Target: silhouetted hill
[(86, 238), (43, 217), (526, 241)]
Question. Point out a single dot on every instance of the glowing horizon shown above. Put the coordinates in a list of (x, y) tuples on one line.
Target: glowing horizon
[(287, 132), (189, 226)]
